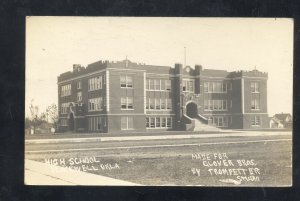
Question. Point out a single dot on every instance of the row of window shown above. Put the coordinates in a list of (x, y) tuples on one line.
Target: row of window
[(95, 104), (95, 83), (96, 123), (64, 122), (64, 108), (220, 121), (216, 105), (188, 85), (66, 90), (158, 104), (158, 122), (126, 81), (224, 121), (158, 85), (216, 87)]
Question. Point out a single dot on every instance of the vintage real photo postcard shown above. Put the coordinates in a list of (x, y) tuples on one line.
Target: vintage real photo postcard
[(159, 101)]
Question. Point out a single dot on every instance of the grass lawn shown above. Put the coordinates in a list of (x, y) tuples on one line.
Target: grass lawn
[(176, 166)]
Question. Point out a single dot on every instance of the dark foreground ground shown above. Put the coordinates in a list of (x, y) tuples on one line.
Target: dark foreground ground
[(224, 161)]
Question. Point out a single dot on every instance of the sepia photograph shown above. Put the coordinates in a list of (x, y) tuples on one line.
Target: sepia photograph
[(158, 101)]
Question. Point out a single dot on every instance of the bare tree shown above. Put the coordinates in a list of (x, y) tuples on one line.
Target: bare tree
[(35, 119), (52, 114)]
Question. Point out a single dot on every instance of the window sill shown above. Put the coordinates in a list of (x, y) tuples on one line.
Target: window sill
[(216, 92), (159, 128), (95, 110), (94, 90), (159, 110), (216, 110), (158, 90)]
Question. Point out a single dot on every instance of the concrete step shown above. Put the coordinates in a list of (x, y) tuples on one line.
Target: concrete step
[(199, 126)]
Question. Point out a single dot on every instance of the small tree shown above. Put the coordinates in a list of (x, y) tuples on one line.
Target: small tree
[(36, 119), (52, 114)]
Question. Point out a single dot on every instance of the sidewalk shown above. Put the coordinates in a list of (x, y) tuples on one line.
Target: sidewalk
[(37, 173), (154, 137)]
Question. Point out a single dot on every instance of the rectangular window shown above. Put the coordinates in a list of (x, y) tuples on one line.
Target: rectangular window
[(168, 85), (206, 106), (129, 103), (151, 84), (157, 124), (64, 122), (123, 103), (224, 87), (163, 122), (66, 90), (224, 105), (147, 103), (96, 123), (169, 122), (64, 108), (169, 104), (152, 122), (126, 81), (147, 122), (163, 104), (123, 123), (129, 82), (157, 85), (157, 104), (126, 123), (255, 104), (188, 85), (219, 121), (95, 104), (123, 81), (147, 84), (215, 87), (215, 105), (205, 87), (95, 83), (126, 103), (78, 84), (163, 85), (254, 87), (79, 96), (255, 121), (152, 103)]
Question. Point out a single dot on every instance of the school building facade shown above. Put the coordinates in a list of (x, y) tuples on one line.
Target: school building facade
[(125, 96)]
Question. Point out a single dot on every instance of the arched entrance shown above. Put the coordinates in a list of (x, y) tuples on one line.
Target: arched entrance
[(71, 122), (192, 110)]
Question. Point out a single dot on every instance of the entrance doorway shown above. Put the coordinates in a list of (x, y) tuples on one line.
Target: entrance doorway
[(71, 122), (192, 110)]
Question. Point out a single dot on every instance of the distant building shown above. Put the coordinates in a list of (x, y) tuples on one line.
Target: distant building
[(282, 120), (124, 96)]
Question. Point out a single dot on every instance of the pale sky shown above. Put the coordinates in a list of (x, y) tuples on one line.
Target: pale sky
[(54, 44)]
